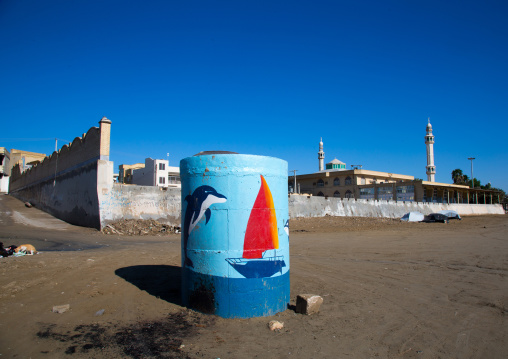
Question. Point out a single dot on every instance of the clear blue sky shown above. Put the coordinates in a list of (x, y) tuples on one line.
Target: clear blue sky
[(263, 77)]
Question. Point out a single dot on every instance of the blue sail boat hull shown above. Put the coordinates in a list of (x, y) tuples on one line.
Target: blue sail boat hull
[(258, 268)]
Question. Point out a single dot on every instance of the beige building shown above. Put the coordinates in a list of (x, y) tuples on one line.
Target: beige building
[(344, 183), (25, 159), (8, 160), (125, 172), (375, 185)]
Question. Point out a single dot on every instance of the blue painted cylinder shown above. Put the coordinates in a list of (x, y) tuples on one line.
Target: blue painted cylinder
[(235, 237)]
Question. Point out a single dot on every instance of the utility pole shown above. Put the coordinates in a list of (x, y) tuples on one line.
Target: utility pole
[(294, 185), (56, 144), (472, 178)]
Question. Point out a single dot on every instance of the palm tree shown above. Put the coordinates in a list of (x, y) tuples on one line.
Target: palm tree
[(457, 176)]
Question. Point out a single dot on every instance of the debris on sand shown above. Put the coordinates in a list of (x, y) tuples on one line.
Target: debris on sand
[(61, 308), (28, 205), (139, 227), (275, 325), (163, 338)]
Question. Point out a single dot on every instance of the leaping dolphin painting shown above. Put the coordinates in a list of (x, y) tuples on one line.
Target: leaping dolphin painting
[(198, 205)]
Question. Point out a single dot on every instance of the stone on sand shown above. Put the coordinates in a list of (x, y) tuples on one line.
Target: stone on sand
[(61, 308), (308, 303)]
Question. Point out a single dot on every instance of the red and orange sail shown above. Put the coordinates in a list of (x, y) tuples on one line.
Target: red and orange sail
[(261, 234)]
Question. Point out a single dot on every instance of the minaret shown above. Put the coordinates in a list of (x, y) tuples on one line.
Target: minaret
[(429, 141), (321, 156)]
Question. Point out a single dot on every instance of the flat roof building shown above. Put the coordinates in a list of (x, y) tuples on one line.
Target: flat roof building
[(125, 172), (151, 173), (25, 159), (9, 159)]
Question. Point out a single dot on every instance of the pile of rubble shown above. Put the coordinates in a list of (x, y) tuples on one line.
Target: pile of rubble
[(139, 227)]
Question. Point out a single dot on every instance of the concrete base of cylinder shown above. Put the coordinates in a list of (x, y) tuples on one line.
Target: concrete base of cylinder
[(235, 297)]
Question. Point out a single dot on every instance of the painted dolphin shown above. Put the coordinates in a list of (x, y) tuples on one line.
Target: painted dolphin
[(198, 205)]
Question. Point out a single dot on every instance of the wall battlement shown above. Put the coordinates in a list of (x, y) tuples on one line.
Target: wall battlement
[(92, 146), (314, 206), (66, 183)]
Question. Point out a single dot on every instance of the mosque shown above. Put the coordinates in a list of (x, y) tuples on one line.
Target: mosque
[(335, 180)]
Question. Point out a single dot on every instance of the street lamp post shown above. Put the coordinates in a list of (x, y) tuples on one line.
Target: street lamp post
[(472, 178), (294, 185)]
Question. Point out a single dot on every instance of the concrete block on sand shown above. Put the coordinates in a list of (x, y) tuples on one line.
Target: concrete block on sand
[(308, 303)]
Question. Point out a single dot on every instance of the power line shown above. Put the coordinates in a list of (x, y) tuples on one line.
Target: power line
[(27, 139), (34, 139)]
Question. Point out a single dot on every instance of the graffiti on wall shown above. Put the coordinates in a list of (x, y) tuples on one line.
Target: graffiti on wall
[(261, 237), (198, 205)]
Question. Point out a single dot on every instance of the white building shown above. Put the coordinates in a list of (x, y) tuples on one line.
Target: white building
[(155, 173), (5, 169), (174, 177)]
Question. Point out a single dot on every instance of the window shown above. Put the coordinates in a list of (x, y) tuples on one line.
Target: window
[(162, 180), (435, 197), (364, 181), (336, 181), (162, 166), (367, 193), (349, 194), (336, 194), (320, 194), (385, 193), (348, 181), (174, 179), (320, 183), (405, 189)]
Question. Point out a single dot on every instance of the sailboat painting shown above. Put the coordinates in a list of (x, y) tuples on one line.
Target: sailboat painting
[(261, 240)]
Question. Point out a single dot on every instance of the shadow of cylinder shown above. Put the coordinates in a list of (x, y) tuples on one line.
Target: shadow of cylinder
[(161, 281)]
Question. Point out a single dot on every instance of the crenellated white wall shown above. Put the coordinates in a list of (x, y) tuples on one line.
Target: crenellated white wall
[(313, 206)]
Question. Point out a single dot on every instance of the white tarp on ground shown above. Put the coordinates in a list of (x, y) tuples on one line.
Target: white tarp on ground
[(450, 214), (413, 217)]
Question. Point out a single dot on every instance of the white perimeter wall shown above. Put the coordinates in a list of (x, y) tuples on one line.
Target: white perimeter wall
[(313, 206), (121, 201)]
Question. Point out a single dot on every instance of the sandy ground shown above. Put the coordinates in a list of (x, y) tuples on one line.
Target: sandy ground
[(390, 289)]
